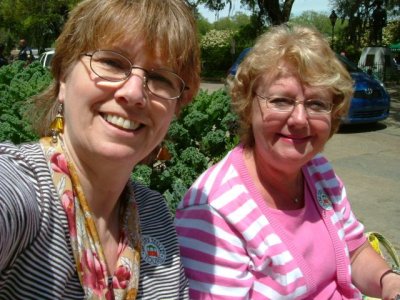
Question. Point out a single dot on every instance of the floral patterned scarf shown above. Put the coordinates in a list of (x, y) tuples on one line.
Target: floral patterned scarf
[(88, 252)]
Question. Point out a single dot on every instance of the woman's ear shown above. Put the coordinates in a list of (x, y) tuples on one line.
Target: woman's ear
[(61, 91), (178, 107)]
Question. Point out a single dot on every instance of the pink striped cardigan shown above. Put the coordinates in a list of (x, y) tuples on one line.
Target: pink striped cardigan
[(231, 251)]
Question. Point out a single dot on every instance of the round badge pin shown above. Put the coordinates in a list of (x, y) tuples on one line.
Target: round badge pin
[(153, 251), (324, 200)]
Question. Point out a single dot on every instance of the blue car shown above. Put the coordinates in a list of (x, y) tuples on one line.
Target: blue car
[(370, 102), (233, 69)]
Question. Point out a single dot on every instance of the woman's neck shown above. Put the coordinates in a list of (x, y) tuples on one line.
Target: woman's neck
[(103, 188), (281, 188), (102, 181)]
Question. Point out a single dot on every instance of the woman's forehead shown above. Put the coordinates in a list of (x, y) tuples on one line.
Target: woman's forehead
[(137, 51), (285, 79)]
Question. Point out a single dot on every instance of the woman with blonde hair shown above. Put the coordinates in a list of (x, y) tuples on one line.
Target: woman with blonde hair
[(272, 219)]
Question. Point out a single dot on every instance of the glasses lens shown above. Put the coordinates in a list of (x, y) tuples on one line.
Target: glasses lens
[(110, 65), (165, 84), (316, 106), (281, 103)]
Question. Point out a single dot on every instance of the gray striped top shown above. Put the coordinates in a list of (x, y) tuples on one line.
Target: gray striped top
[(36, 260)]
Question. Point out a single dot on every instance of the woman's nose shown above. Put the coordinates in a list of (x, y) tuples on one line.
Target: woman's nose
[(132, 90), (299, 114)]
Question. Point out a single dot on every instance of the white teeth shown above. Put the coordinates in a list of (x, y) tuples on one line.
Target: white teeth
[(121, 122)]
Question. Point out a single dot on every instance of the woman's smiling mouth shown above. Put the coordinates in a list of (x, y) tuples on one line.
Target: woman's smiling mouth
[(295, 139), (121, 122)]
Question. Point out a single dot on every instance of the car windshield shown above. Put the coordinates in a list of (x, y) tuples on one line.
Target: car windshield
[(350, 66)]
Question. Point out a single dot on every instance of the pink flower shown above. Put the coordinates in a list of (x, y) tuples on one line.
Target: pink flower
[(121, 277), (93, 272), (67, 201), (59, 163), (109, 295)]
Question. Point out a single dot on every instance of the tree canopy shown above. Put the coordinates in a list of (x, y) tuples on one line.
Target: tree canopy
[(39, 22), (358, 14), (271, 12)]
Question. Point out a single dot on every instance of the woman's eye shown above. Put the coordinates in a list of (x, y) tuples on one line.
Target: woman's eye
[(281, 101), (112, 63), (317, 105), (159, 78)]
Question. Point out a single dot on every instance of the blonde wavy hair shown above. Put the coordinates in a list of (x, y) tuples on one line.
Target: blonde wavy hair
[(308, 53), (166, 26)]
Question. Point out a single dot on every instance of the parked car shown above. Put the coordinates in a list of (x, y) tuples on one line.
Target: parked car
[(370, 102), (46, 57), (233, 69)]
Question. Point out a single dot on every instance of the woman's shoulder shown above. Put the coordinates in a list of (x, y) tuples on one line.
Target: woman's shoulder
[(319, 168), (151, 204), (319, 160), (20, 154), (20, 197), (220, 184), (20, 159), (221, 171), (25, 178), (145, 195), (325, 183)]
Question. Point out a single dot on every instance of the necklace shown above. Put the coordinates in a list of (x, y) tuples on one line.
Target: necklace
[(299, 189)]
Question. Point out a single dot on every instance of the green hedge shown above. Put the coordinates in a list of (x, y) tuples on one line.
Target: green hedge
[(17, 84)]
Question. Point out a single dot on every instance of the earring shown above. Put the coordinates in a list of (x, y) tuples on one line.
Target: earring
[(57, 126), (163, 153)]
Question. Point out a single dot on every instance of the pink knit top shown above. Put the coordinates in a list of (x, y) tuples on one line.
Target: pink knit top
[(234, 246)]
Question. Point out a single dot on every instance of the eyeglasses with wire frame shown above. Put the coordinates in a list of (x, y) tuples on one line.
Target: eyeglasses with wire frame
[(115, 67), (286, 104)]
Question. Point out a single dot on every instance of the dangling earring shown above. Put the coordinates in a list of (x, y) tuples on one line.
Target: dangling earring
[(57, 126), (163, 153)]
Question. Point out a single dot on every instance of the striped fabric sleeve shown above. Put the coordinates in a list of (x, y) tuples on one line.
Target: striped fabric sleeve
[(19, 212), (214, 256)]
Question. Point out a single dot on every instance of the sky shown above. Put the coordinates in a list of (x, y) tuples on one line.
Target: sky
[(298, 7)]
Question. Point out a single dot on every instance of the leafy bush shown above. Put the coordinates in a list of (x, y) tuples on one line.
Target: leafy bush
[(17, 84), (216, 51), (201, 136)]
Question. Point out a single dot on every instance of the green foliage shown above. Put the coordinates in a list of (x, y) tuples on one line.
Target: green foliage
[(216, 50), (358, 15), (224, 39), (203, 134), (318, 20), (233, 23), (268, 12), (247, 34), (40, 22), (17, 84), (203, 26), (391, 33), (173, 198)]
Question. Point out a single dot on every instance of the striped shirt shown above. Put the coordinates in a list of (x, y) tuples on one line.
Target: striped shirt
[(231, 250), (36, 259)]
